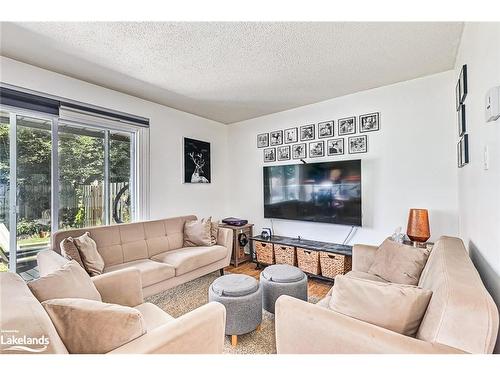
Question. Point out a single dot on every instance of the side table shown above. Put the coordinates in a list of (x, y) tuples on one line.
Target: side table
[(241, 243)]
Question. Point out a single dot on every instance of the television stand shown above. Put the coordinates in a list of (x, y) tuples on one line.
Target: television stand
[(303, 244)]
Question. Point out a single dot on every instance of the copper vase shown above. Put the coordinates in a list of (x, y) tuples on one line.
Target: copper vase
[(418, 225)]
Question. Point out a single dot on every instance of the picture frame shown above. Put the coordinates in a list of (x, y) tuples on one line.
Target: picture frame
[(358, 144), (276, 138), (335, 147), (325, 129), (262, 140), (291, 135), (269, 155), (461, 120), (463, 151), (283, 153), (346, 125), (307, 133), (316, 149), (369, 122), (197, 163), (462, 79), (299, 151), (457, 95)]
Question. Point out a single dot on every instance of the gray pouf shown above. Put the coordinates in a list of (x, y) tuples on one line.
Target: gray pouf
[(242, 297), (280, 279)]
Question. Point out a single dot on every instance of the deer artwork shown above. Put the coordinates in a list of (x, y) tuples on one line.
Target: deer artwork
[(198, 171)]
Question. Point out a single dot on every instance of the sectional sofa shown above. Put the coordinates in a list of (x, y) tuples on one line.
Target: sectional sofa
[(460, 318), (155, 248)]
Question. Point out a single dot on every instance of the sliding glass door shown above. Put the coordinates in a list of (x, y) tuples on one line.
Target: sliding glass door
[(58, 175)]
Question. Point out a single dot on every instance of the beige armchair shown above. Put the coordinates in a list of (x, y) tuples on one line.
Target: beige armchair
[(200, 331)]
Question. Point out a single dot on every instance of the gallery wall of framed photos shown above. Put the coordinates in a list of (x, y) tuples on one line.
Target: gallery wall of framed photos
[(463, 138), (316, 140)]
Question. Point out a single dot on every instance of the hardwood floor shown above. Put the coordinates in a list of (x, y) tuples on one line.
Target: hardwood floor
[(316, 288)]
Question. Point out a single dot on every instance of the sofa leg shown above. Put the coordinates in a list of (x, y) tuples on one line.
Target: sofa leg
[(234, 340), (221, 271)]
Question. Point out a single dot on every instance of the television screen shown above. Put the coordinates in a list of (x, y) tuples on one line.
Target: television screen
[(322, 192)]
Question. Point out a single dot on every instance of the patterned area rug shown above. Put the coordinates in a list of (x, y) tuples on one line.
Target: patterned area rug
[(189, 296)]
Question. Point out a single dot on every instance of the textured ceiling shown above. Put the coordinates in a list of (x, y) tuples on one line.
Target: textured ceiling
[(230, 72)]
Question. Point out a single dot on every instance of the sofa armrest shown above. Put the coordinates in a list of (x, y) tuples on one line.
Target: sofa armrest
[(225, 238), (122, 287), (304, 328), (49, 261), (200, 331), (362, 257)]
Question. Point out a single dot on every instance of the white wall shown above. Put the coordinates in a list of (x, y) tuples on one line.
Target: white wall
[(410, 163), (169, 197), (479, 189)]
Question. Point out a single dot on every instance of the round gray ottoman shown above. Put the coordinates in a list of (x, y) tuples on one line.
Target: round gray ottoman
[(280, 279), (242, 297)]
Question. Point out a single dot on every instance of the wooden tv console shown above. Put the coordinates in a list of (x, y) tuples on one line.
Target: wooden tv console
[(294, 244)]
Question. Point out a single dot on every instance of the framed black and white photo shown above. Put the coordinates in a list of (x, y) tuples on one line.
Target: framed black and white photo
[(463, 84), (269, 155), (283, 153), (299, 151), (369, 122), (196, 161), (335, 146), (325, 129), (457, 95), (463, 151), (347, 125), (316, 149), (277, 138), (307, 133), (291, 135), (461, 120), (263, 140), (358, 144)]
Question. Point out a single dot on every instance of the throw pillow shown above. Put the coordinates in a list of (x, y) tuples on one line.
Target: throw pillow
[(197, 233), (70, 251), (93, 327), (69, 281), (396, 307), (214, 232), (92, 260), (399, 263)]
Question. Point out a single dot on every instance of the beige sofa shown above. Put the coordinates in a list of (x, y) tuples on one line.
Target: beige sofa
[(461, 316), (155, 248), (200, 331)]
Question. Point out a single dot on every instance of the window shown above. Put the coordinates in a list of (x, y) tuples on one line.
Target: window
[(67, 172)]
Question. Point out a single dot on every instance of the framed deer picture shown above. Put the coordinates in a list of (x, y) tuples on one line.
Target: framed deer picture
[(196, 161)]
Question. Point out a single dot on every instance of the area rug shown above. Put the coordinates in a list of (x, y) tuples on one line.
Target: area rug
[(191, 295)]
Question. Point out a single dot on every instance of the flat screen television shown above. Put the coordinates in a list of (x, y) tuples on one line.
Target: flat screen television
[(328, 192)]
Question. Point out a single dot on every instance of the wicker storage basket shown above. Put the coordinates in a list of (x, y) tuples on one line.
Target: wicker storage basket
[(308, 260), (285, 255), (264, 252), (334, 264)]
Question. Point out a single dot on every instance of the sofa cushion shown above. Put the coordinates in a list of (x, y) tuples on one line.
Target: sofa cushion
[(22, 315), (197, 233), (214, 231), (153, 315), (92, 260), (187, 259), (151, 272), (366, 276), (70, 251), (93, 327), (70, 281), (396, 307), (399, 263)]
